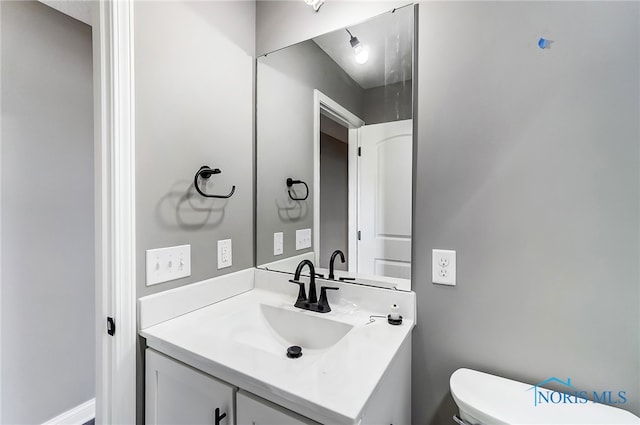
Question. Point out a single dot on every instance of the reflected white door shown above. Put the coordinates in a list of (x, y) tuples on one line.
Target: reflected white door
[(384, 210)]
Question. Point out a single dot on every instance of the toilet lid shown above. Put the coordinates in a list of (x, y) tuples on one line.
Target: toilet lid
[(495, 400)]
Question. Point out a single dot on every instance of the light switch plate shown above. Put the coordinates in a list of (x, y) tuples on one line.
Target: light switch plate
[(224, 253), (165, 264), (303, 239), (278, 243), (444, 266)]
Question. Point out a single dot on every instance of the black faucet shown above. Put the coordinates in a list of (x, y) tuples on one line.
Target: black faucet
[(333, 258), (312, 302), (313, 298)]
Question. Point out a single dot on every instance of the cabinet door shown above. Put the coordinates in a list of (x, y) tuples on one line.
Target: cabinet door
[(178, 394), (252, 410)]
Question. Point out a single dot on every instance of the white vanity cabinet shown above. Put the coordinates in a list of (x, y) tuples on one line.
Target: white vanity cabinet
[(230, 355), (252, 410), (178, 394)]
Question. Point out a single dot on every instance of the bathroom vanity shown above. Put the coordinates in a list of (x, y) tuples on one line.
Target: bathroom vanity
[(217, 353), (178, 393)]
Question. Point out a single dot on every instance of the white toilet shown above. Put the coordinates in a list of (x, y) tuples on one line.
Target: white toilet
[(488, 399)]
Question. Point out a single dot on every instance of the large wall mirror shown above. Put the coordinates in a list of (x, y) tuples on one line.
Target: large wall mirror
[(334, 152)]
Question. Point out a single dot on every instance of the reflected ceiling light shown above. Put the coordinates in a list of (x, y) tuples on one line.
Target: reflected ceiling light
[(316, 4), (362, 52)]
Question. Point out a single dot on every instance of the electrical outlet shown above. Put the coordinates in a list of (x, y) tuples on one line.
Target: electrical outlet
[(224, 253), (303, 239), (444, 266), (165, 264), (278, 242)]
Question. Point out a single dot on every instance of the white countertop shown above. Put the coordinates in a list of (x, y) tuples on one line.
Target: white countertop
[(330, 386)]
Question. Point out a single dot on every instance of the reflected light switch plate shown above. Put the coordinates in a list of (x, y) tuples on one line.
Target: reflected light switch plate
[(303, 239), (278, 242)]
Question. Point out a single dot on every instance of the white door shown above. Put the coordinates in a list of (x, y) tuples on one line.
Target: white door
[(178, 394), (384, 210)]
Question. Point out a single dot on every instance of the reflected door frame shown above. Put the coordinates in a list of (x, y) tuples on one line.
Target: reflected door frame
[(323, 104)]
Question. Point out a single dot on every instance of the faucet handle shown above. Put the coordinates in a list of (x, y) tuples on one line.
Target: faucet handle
[(302, 295), (323, 303)]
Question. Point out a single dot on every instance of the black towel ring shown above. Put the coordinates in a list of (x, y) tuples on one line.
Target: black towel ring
[(205, 172), (290, 183)]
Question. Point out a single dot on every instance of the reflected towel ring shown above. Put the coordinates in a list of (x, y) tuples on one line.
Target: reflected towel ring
[(290, 183), (205, 172)]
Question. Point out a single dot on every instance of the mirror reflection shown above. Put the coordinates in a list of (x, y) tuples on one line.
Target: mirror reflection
[(334, 153)]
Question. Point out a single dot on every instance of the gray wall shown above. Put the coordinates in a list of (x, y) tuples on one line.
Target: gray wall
[(47, 213), (194, 82), (194, 106), (285, 84), (334, 198), (528, 166), (393, 102)]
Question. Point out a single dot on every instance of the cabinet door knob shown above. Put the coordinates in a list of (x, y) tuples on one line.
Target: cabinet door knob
[(219, 417)]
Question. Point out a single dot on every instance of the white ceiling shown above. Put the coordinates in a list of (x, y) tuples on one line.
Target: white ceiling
[(389, 38), (78, 9)]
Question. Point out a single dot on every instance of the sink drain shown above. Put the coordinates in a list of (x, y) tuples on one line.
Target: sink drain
[(294, 352)]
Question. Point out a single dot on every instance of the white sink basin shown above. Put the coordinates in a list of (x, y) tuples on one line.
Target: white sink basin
[(297, 328)]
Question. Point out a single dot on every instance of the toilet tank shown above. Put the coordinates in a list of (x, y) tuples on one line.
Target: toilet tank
[(488, 399)]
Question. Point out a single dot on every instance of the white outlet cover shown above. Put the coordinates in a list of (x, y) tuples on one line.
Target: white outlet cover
[(225, 253), (278, 243), (443, 266), (165, 264), (303, 239)]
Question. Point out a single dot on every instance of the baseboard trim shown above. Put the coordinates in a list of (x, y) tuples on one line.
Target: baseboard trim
[(75, 416)]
